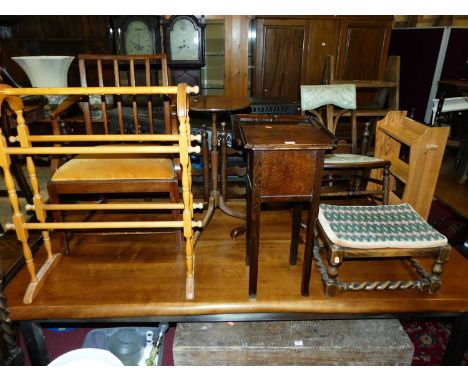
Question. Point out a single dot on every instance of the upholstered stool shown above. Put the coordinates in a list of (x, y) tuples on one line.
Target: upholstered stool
[(385, 231)]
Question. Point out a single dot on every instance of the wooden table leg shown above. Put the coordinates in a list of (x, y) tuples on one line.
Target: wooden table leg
[(295, 233), (253, 236), (213, 201), (309, 246), (223, 159), (206, 165), (216, 199), (214, 153)]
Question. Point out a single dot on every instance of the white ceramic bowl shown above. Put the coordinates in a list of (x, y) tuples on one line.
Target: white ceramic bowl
[(87, 357)]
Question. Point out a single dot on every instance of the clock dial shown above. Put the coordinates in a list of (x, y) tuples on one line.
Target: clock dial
[(138, 38), (184, 40)]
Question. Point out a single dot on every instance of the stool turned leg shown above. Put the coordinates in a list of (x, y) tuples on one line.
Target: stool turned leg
[(437, 268), (331, 286)]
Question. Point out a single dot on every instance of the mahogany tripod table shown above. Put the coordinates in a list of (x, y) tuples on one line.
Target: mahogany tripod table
[(214, 105)]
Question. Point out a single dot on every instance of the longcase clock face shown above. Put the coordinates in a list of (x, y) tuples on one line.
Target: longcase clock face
[(184, 41), (137, 34), (139, 38)]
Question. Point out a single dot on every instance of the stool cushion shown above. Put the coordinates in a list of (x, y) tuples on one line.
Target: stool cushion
[(350, 158), (115, 167), (395, 226)]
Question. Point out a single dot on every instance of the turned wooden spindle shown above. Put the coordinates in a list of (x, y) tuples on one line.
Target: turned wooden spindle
[(41, 215), (18, 219), (187, 214)]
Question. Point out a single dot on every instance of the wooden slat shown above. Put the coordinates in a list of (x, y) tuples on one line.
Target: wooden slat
[(105, 225), (103, 98), (104, 138), (86, 105), (134, 103), (400, 170), (113, 206), (92, 150), (96, 90), (150, 104), (119, 99)]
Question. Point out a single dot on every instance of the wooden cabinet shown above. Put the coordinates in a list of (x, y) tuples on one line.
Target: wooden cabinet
[(323, 41), (363, 49), (280, 61), (291, 51)]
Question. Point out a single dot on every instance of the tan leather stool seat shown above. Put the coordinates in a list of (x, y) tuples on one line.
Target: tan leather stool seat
[(115, 167)]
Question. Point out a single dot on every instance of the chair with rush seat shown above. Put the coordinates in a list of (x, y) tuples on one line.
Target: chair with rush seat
[(346, 164), (398, 230)]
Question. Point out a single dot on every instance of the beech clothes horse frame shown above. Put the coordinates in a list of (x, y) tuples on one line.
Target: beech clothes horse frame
[(178, 144)]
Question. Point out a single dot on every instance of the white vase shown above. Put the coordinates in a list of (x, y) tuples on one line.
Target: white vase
[(46, 72)]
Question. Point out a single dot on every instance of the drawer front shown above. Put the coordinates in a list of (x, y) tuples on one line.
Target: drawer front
[(288, 172)]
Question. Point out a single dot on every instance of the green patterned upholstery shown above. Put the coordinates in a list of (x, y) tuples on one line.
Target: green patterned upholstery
[(350, 158), (386, 226)]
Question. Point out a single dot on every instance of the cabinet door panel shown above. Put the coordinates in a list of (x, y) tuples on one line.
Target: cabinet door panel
[(323, 41), (363, 49), (279, 58)]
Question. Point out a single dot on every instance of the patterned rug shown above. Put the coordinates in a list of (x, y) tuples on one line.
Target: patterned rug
[(430, 339)]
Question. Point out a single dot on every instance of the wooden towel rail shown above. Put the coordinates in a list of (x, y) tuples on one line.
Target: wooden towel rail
[(147, 144)]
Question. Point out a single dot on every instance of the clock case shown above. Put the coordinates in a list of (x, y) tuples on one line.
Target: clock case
[(185, 71), (153, 23)]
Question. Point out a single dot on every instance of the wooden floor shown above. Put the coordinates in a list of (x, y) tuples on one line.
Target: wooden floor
[(448, 190), (139, 276)]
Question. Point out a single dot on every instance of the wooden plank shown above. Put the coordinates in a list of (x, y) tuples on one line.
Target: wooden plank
[(236, 56), (299, 343)]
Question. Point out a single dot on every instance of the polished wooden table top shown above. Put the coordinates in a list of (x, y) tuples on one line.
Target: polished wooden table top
[(218, 103), (257, 135), (143, 276)]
